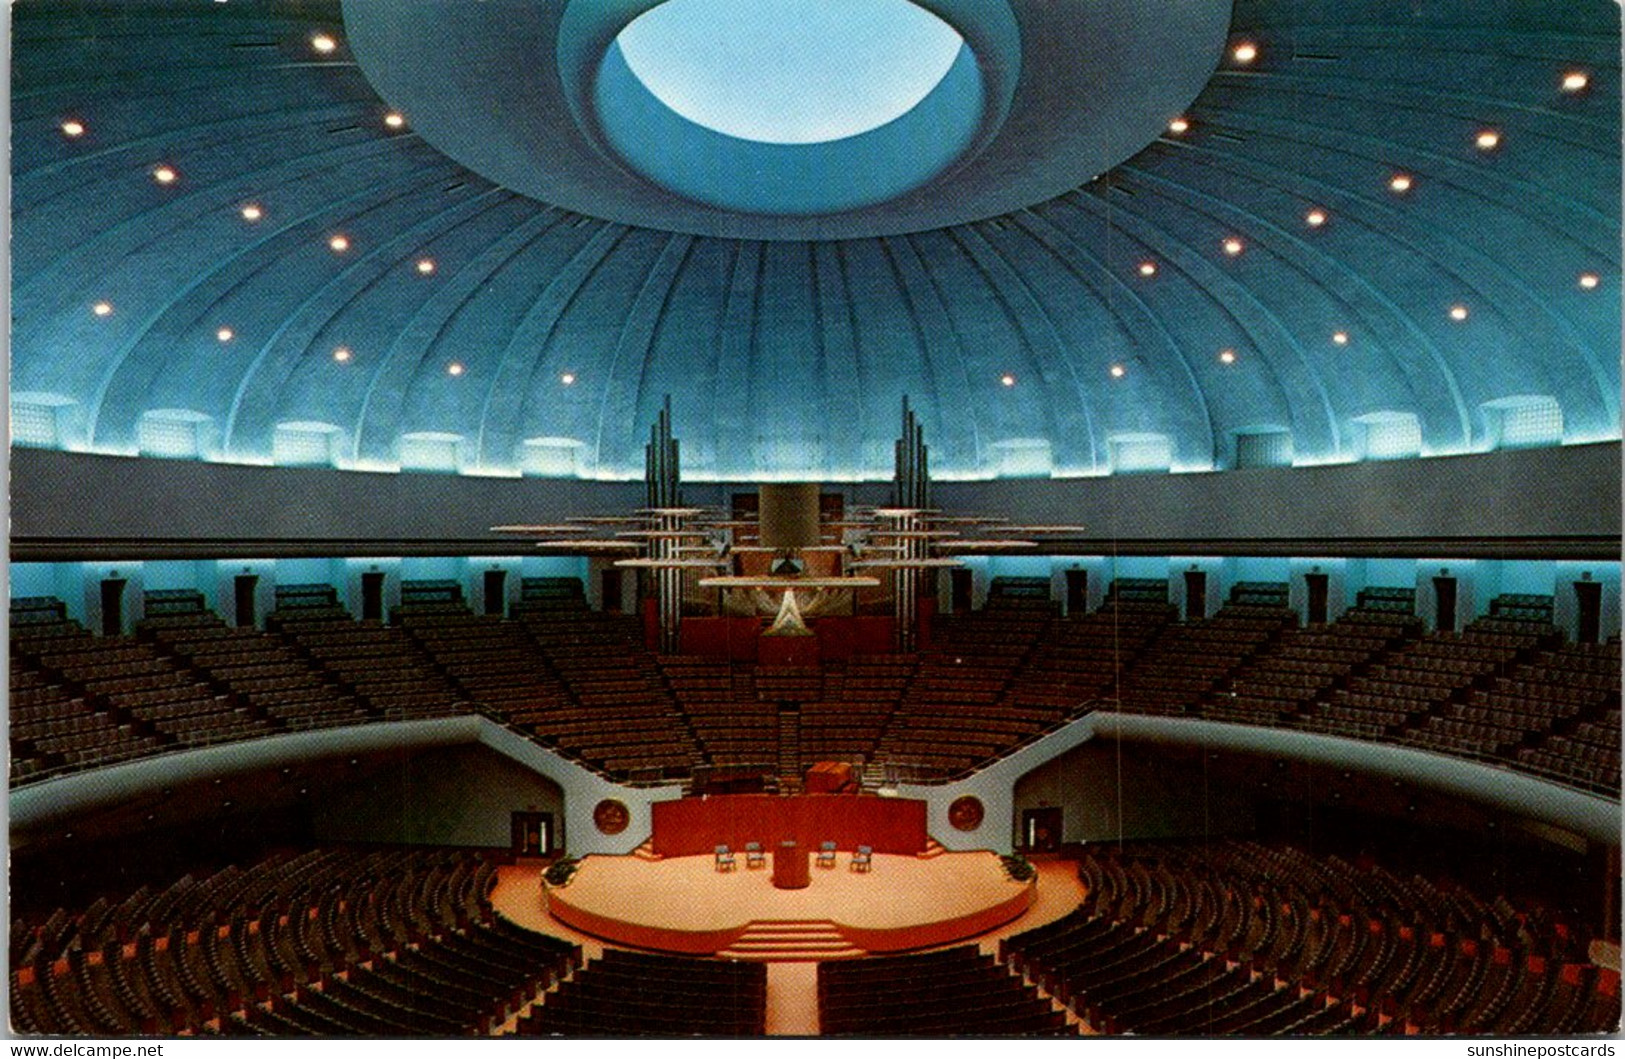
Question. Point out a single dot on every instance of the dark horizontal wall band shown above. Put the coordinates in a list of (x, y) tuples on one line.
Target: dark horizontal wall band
[(1539, 503), (27, 550)]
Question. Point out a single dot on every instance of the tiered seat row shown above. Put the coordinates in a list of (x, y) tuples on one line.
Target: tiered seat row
[(631, 994), (1187, 659), (455, 984), (619, 715), (860, 698), (949, 993), (378, 664), (329, 941), (953, 715), (490, 659), (1303, 666), (80, 701), (735, 721), (1239, 938), (260, 669), (1081, 657)]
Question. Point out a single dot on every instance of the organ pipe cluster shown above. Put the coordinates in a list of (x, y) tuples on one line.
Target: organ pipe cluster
[(912, 492), (664, 495), (912, 480)]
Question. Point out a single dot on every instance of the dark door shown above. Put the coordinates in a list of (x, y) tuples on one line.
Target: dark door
[(1041, 830), (372, 597), (243, 599), (612, 591), (1317, 584), (1077, 591), (1444, 590), (959, 585), (1195, 595), (1588, 597), (113, 606), (496, 582), (532, 834)]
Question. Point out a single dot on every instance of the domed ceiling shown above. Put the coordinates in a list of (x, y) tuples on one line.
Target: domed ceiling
[(479, 237)]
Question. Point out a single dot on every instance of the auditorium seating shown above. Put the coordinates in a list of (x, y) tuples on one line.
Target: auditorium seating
[(378, 663), (1187, 659), (1237, 937), (620, 716), (261, 670), (957, 992), (955, 713), (1506, 690), (338, 941), (635, 994)]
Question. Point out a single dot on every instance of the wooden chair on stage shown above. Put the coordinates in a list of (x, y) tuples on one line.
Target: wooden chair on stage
[(863, 859), (725, 859), (754, 858), (826, 854)]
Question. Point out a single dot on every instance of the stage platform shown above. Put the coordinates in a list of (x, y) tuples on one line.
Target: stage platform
[(684, 905)]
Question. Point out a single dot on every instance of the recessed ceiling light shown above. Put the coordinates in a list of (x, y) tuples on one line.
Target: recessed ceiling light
[(1458, 312), (1233, 246), (1487, 139), (342, 354), (1400, 182), (339, 243), (1340, 338), (323, 43), (165, 174), (1007, 379), (568, 378), (225, 334), (1179, 125), (1315, 218), (102, 308), (1575, 81), (1148, 268), (1245, 52), (454, 368), (72, 128), (394, 120), (1118, 371), (252, 212), (1227, 356), (426, 265), (1589, 280)]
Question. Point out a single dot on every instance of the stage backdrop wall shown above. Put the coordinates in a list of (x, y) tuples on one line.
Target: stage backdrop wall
[(698, 825)]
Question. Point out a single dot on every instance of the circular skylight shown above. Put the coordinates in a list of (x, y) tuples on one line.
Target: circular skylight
[(789, 71)]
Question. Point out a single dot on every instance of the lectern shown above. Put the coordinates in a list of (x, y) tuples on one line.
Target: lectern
[(790, 871)]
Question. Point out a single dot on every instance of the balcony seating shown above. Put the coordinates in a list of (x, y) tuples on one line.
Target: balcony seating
[(1506, 690)]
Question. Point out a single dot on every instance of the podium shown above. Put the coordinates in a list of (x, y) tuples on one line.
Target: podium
[(790, 869)]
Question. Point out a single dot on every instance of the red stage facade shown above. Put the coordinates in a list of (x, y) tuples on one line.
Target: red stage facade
[(690, 826)]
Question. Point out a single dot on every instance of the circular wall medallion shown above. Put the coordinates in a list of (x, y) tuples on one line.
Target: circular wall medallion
[(966, 813), (611, 816)]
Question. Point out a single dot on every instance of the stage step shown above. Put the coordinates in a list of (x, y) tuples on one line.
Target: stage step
[(791, 939), (933, 848), (647, 852)]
